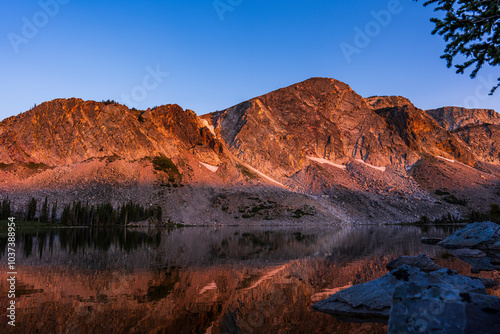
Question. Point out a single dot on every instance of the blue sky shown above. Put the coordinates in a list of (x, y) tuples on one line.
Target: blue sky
[(209, 55)]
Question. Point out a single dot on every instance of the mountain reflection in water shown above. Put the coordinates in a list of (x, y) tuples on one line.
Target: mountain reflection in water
[(200, 279)]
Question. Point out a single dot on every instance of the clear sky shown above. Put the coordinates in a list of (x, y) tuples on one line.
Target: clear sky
[(208, 55)]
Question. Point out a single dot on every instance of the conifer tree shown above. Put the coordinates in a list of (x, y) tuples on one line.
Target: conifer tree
[(53, 217), (5, 209), (471, 29), (44, 217), (31, 209)]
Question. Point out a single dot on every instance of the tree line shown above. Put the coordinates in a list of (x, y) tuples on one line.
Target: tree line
[(81, 214), (493, 215)]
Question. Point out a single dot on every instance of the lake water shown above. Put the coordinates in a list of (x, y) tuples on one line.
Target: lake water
[(200, 279)]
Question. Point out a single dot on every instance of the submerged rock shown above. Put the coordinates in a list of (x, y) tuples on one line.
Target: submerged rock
[(423, 308), (422, 262), (431, 240), (477, 235), (371, 301)]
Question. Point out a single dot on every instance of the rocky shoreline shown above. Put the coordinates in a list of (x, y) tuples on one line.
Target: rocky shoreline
[(419, 296)]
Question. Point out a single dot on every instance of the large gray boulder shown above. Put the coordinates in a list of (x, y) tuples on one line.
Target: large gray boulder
[(371, 301), (485, 235), (423, 308), (476, 244), (422, 262)]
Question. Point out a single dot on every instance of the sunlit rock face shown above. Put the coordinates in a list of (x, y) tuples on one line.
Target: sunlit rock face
[(381, 102), (67, 131), (453, 118), (319, 117), (478, 128), (423, 134), (377, 159)]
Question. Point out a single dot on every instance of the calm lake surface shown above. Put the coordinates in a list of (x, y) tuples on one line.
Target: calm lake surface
[(200, 279)]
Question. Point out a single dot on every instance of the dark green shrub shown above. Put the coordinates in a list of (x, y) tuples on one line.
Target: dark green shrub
[(164, 164)]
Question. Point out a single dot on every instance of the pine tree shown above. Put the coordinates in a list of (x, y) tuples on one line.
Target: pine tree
[(470, 29), (159, 214), (44, 217), (66, 215), (53, 217), (31, 209), (5, 209)]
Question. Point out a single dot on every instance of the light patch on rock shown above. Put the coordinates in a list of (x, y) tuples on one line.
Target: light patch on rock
[(324, 161), (209, 126), (458, 162), (210, 167), (443, 158), (382, 169), (265, 176), (208, 287)]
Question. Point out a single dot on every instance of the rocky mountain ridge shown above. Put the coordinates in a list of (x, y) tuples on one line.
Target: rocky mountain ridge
[(62, 132), (315, 151)]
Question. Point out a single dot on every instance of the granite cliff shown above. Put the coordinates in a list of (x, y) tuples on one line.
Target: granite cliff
[(478, 128)]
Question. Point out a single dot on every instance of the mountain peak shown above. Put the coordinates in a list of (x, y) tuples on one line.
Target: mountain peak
[(317, 84), (381, 102)]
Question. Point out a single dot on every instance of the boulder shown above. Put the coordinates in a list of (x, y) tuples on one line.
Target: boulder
[(495, 246), (465, 252), (477, 235), (431, 240), (476, 244), (422, 262), (435, 308), (488, 282), (371, 301)]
